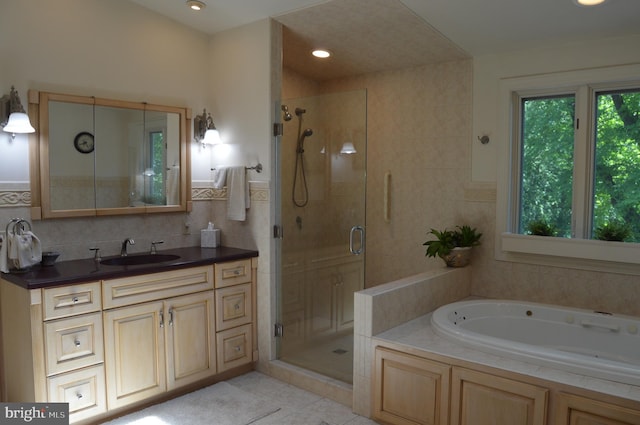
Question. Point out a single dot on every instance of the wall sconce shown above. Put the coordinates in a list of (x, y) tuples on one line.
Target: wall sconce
[(14, 119), (348, 148), (205, 131)]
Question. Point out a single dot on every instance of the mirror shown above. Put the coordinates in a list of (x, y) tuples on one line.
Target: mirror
[(108, 157)]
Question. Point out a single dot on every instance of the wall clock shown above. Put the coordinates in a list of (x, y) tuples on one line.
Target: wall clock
[(83, 142)]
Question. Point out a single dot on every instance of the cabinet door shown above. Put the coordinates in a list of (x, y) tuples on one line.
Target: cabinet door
[(321, 293), (191, 354), (481, 399), (575, 410), (350, 280), (134, 353), (410, 390)]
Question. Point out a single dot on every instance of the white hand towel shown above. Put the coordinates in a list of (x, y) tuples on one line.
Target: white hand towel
[(219, 177), (29, 250), (173, 188), (237, 194), (4, 254)]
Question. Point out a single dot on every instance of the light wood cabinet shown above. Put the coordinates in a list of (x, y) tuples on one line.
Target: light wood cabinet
[(155, 346), (481, 399), (53, 347), (113, 343), (410, 390), (135, 353), (576, 410), (235, 307)]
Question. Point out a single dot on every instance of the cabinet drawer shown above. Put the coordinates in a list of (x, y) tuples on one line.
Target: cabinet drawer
[(234, 347), (156, 286), (73, 343), (233, 306), (70, 300), (83, 389), (233, 273)]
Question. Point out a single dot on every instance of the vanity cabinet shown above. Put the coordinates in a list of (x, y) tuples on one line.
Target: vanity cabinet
[(114, 343)]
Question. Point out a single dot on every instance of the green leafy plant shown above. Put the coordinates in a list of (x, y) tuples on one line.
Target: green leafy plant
[(446, 240), (467, 236), (615, 230), (541, 227)]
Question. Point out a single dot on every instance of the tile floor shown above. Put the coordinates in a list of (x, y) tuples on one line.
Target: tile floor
[(299, 407), (295, 406)]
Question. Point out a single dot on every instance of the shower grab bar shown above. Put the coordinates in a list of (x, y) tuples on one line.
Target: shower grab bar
[(352, 249), (387, 197)]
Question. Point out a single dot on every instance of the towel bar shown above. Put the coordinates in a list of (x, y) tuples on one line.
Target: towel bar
[(257, 167), (19, 223)]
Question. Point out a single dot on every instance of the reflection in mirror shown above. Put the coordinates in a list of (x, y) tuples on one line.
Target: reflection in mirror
[(71, 184), (108, 157), (119, 133)]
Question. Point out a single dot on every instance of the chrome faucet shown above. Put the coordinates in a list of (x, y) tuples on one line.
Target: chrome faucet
[(123, 251)]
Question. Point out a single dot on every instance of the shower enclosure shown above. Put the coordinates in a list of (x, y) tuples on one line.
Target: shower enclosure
[(321, 197)]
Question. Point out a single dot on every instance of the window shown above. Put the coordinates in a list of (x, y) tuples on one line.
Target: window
[(546, 177), (548, 147), (572, 166), (157, 161)]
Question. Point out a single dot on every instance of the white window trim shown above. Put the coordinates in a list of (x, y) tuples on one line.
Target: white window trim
[(563, 252)]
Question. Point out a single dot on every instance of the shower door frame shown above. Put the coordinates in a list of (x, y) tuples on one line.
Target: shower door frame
[(350, 265)]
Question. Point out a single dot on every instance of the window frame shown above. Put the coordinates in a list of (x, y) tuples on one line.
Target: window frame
[(578, 251)]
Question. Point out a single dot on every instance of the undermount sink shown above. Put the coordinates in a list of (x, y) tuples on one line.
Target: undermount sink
[(134, 260)]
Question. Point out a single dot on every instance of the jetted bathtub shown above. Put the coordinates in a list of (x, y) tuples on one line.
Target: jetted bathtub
[(590, 343)]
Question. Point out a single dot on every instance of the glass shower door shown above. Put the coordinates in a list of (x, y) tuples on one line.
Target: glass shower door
[(322, 176)]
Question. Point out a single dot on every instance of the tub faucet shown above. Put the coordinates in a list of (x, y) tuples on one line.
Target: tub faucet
[(123, 251)]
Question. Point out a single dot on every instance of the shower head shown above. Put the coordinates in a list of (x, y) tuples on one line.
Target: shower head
[(286, 115), (300, 111)]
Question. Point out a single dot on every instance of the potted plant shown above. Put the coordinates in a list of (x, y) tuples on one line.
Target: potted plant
[(615, 230), (453, 246), (541, 227)]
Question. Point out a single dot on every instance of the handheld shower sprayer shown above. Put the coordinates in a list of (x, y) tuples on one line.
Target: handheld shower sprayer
[(300, 111), (286, 115)]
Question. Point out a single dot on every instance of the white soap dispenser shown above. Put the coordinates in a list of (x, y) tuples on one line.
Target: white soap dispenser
[(209, 237)]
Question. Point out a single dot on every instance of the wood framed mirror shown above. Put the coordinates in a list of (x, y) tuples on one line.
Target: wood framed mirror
[(94, 157)]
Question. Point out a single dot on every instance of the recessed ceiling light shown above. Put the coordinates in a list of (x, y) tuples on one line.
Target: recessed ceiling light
[(588, 2), (320, 53), (196, 4)]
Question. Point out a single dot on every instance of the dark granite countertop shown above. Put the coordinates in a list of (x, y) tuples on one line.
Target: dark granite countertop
[(87, 270)]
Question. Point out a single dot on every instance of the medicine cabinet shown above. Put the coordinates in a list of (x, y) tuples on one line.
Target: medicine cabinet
[(94, 157)]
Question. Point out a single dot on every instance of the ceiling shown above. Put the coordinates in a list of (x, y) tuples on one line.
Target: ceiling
[(374, 35)]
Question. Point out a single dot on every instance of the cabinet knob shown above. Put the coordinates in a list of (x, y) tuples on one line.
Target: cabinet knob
[(77, 343), (79, 396), (237, 306), (75, 299), (238, 348)]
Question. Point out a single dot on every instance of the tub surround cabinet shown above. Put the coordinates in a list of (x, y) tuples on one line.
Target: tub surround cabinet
[(114, 344), (413, 387)]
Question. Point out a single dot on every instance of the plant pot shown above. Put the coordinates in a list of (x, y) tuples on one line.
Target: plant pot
[(458, 257)]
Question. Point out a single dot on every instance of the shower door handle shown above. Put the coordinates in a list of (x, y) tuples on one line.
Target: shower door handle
[(360, 230)]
